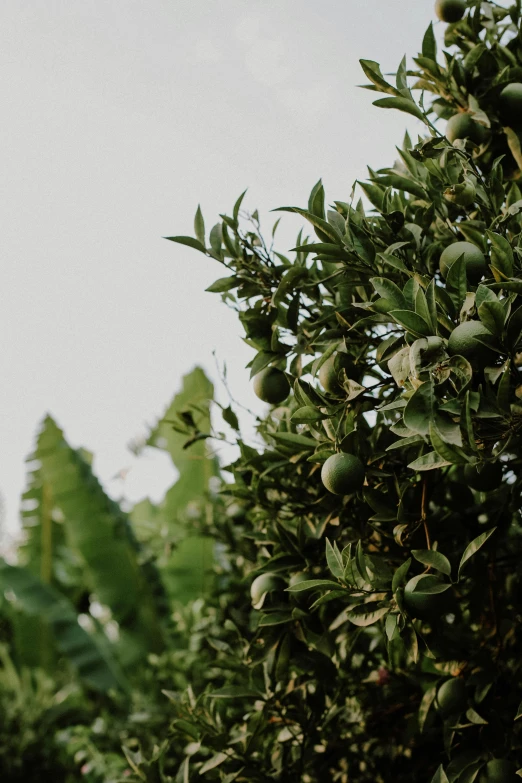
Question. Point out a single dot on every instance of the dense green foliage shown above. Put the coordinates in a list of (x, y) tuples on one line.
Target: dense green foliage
[(381, 640), (362, 621)]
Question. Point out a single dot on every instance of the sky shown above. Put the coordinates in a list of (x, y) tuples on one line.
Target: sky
[(120, 116)]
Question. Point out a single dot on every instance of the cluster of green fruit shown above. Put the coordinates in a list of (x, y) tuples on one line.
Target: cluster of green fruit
[(341, 474), (462, 125), (344, 473)]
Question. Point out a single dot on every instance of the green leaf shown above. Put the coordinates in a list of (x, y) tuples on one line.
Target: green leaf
[(261, 360), (492, 315), (419, 410), (230, 418), (235, 692), (94, 663), (199, 226), (422, 309), (224, 284), (403, 443), (390, 291), (434, 559), (275, 618), (411, 642), (313, 584), (457, 282), (290, 439), (475, 718), (399, 577), (440, 776), (514, 145), (427, 700), (316, 201), (213, 762), (186, 572), (324, 230), (432, 306), (189, 241), (429, 44), (237, 205), (402, 104), (430, 461), (373, 72), (466, 422), (366, 614), (334, 560), (289, 282), (411, 322), (307, 414), (443, 449), (474, 547), (504, 390), (501, 254)]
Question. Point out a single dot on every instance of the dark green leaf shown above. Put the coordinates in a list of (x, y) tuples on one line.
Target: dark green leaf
[(412, 322), (474, 547), (199, 226), (313, 584), (224, 284), (401, 104), (189, 241)]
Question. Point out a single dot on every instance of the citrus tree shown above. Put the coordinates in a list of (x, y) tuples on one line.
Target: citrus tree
[(367, 624)]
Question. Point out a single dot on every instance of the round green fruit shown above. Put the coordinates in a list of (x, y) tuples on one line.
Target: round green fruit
[(261, 586), (473, 259), (463, 342), (330, 371), (271, 385), (451, 697), (484, 478), (420, 604), (342, 474), (463, 126), (498, 771), (510, 102), (450, 10)]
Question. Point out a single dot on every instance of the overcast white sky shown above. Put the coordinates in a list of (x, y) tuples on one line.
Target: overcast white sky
[(119, 117)]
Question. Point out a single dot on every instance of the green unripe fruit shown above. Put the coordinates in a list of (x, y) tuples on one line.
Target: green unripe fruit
[(484, 479), (424, 605), (329, 376), (261, 586), (510, 101), (499, 771), (462, 194), (463, 126), (474, 260), (342, 474), (450, 10), (463, 342), (451, 697), (271, 385)]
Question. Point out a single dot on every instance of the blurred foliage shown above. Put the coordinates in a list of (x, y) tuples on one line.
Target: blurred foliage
[(89, 598)]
